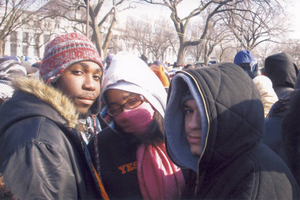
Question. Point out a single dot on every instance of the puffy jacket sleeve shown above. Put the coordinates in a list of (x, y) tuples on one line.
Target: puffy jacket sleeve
[(267, 93), (37, 166)]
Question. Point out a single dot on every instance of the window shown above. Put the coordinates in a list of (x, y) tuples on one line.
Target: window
[(13, 37), (25, 37), (36, 51), (13, 49), (36, 38), (25, 49)]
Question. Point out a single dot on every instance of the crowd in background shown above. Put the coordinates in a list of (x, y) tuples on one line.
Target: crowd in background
[(74, 126)]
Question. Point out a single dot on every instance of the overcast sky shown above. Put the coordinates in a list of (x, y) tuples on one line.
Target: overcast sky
[(294, 10)]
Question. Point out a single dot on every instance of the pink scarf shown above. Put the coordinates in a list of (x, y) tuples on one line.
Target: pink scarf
[(158, 177)]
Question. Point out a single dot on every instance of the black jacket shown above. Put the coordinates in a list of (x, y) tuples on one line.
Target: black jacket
[(291, 135), (233, 164), (118, 164), (282, 71), (273, 135), (42, 155)]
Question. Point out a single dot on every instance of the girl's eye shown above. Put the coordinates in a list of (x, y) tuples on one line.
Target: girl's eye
[(132, 101)]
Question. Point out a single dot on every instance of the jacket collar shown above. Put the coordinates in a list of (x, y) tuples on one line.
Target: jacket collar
[(61, 103)]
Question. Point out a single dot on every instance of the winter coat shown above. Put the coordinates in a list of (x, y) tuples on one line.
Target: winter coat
[(282, 71), (42, 154), (118, 161), (233, 163), (273, 135), (267, 93), (117, 149), (291, 134)]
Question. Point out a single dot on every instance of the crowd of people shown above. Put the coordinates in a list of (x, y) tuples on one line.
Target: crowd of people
[(80, 127)]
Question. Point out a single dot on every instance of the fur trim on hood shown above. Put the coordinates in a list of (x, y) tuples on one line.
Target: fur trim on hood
[(61, 103)]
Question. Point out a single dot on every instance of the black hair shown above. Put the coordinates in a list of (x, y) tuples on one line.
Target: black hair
[(155, 135)]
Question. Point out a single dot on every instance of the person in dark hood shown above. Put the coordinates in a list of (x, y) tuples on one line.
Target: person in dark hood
[(46, 125), (287, 111), (213, 126), (282, 71), (291, 134)]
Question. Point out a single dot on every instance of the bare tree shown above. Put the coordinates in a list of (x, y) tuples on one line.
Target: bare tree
[(162, 39), (42, 28), (136, 34), (102, 17), (149, 36), (217, 35), (255, 24), (195, 30), (15, 14), (225, 52), (207, 8)]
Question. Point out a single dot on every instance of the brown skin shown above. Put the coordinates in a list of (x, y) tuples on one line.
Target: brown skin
[(117, 97), (193, 126), (81, 83)]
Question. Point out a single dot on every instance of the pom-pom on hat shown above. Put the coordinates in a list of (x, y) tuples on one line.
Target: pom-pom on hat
[(65, 50)]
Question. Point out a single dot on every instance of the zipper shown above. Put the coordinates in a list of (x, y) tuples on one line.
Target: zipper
[(208, 127)]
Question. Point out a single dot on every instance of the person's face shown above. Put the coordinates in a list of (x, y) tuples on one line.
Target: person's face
[(193, 126), (116, 98), (81, 83)]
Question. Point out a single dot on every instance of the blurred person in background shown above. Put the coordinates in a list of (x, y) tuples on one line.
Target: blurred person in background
[(9, 70)]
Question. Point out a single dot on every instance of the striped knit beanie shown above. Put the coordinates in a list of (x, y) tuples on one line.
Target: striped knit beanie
[(11, 68), (65, 50)]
